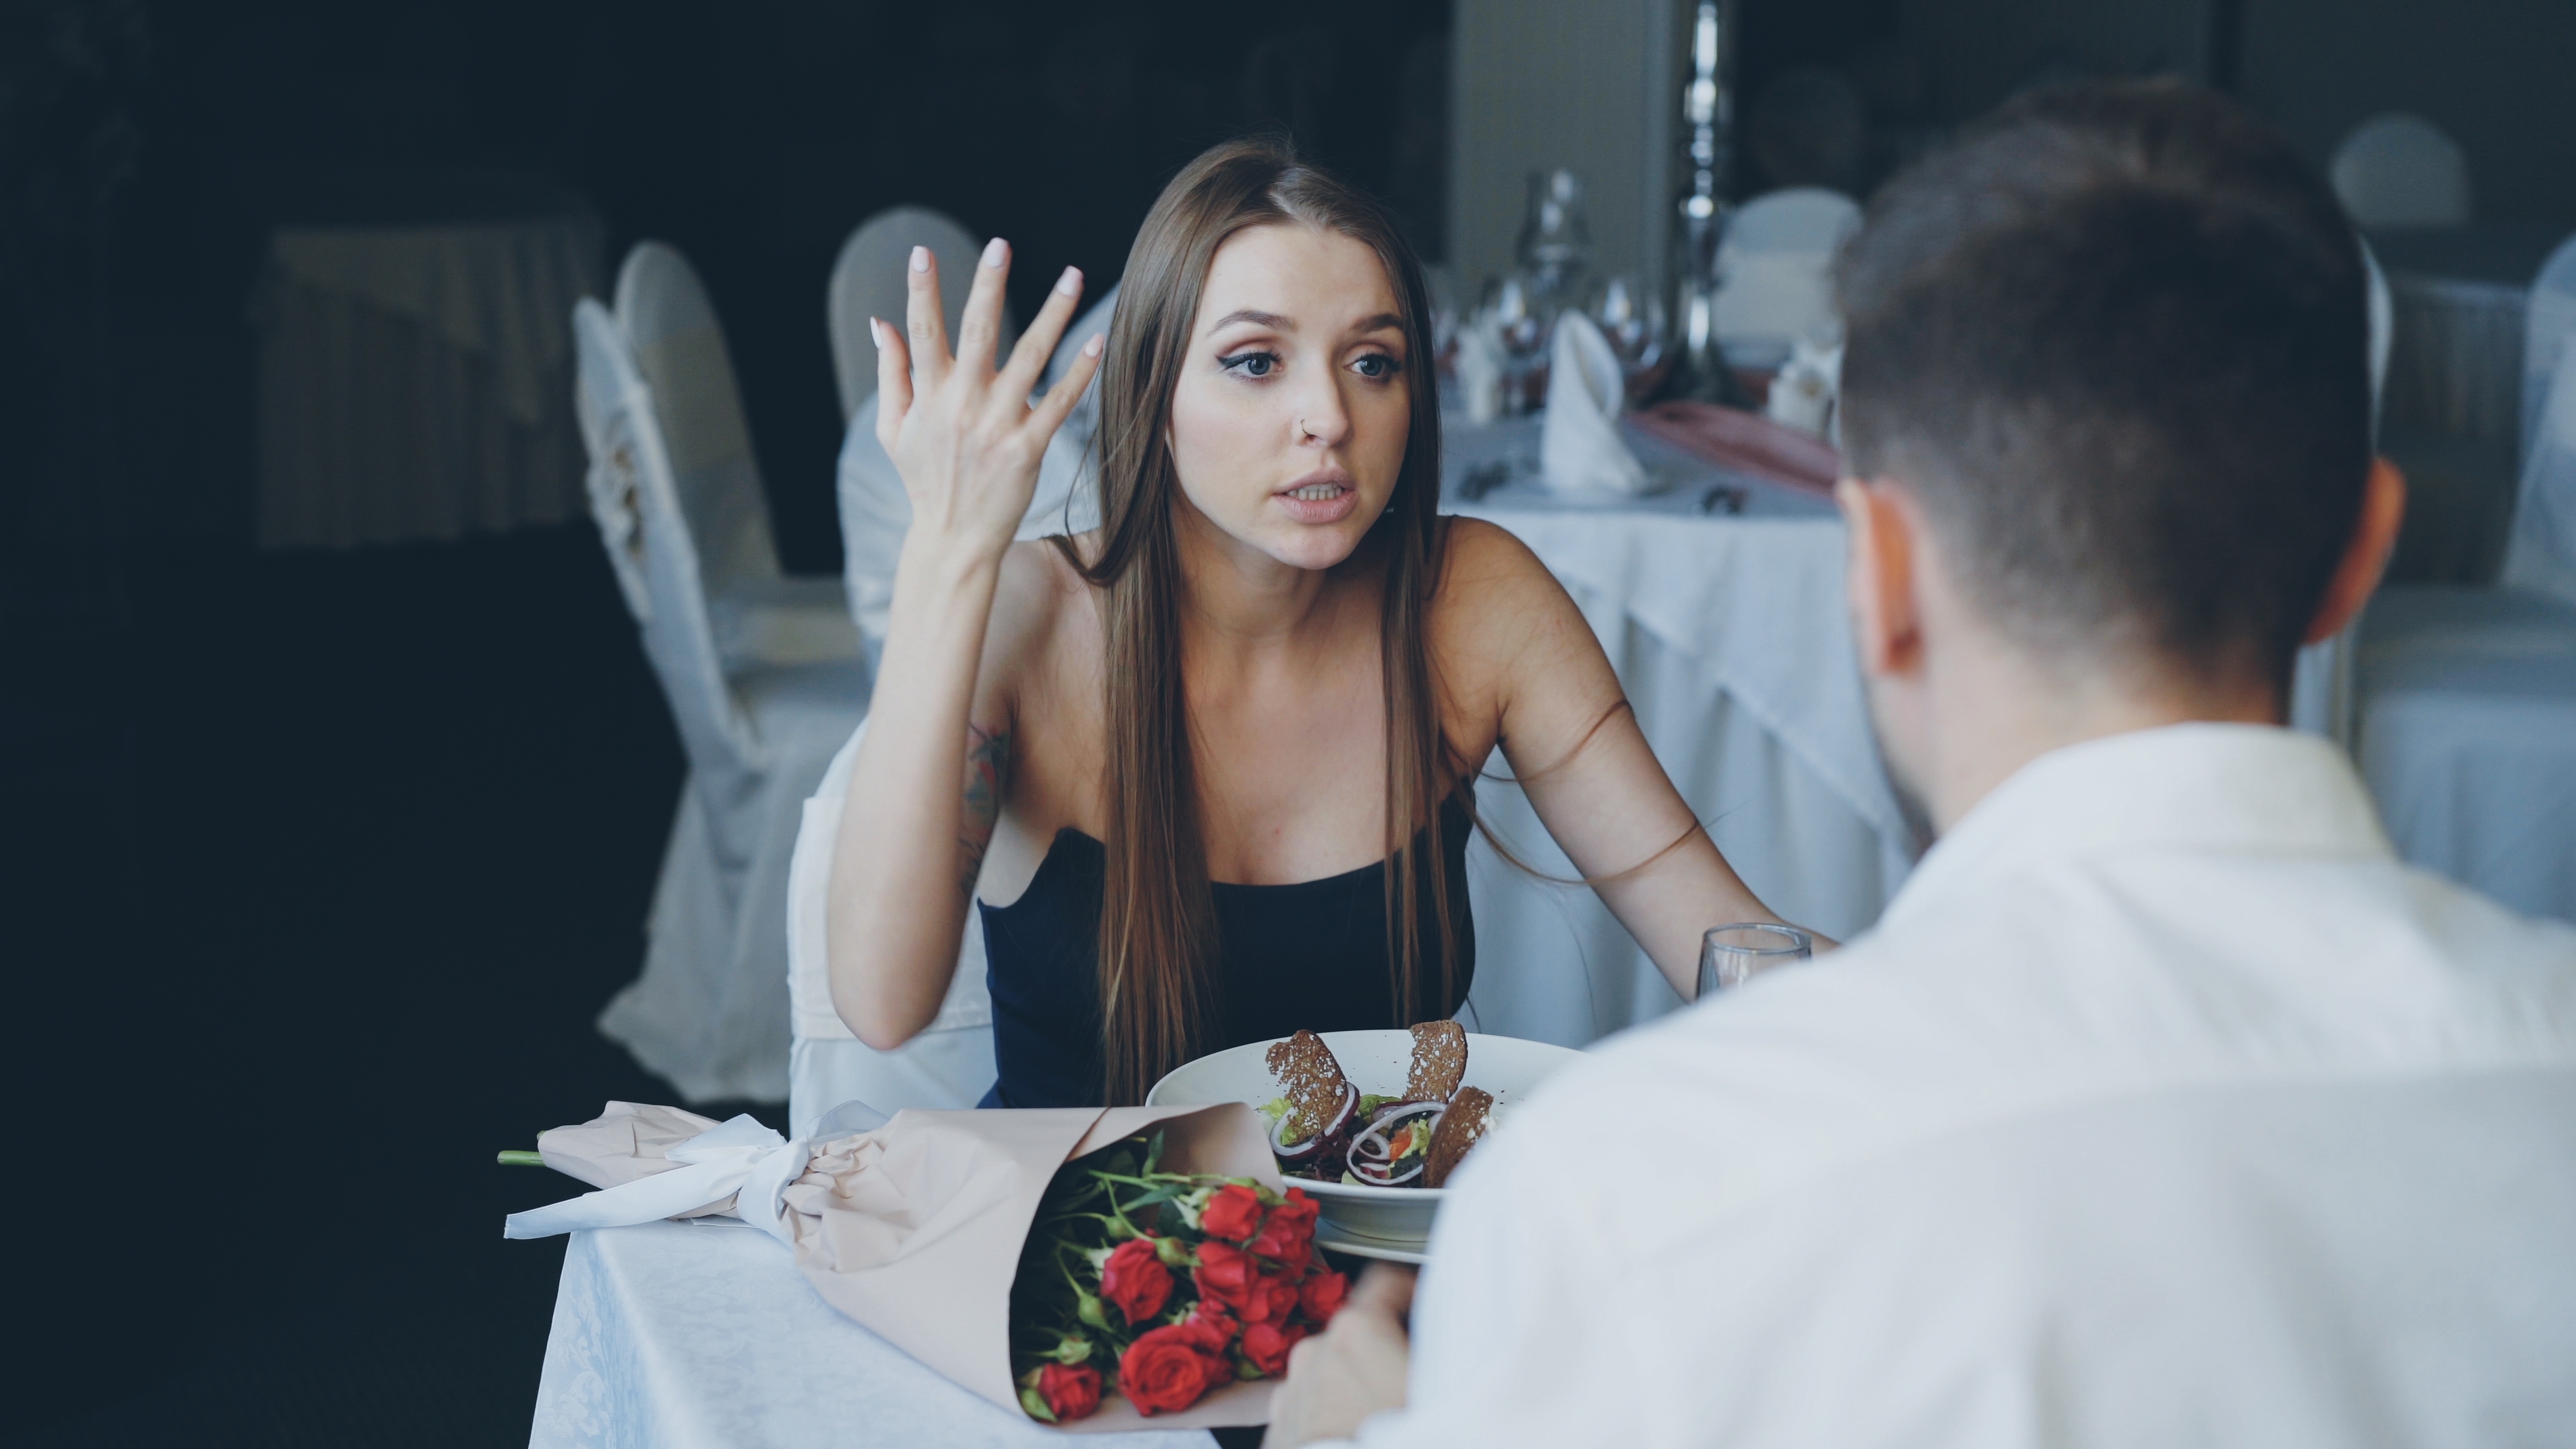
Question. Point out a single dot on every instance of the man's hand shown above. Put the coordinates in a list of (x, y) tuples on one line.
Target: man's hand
[(1350, 1370)]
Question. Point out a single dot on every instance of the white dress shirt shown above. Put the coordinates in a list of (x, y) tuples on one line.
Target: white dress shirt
[(2163, 1107)]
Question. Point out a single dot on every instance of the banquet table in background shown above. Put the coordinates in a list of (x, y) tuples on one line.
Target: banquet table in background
[(415, 376), (2453, 409), (1719, 599), (702, 1335)]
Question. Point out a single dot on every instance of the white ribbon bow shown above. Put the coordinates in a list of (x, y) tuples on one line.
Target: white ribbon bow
[(739, 1157)]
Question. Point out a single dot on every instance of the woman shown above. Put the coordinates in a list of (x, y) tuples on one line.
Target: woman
[(1216, 754)]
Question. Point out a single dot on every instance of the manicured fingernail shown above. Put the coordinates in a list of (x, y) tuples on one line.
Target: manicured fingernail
[(921, 259), (876, 332), (1071, 282), (1092, 348), (995, 250)]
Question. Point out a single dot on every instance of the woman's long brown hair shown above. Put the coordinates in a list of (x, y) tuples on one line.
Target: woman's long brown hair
[(1159, 948)]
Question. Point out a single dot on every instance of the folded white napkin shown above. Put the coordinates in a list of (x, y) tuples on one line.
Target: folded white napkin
[(1579, 447), (1805, 391)]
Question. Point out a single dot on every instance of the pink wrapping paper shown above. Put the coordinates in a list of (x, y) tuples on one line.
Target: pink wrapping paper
[(915, 1229)]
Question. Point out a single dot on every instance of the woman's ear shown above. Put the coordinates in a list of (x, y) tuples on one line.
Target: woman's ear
[(1880, 577), (2365, 558)]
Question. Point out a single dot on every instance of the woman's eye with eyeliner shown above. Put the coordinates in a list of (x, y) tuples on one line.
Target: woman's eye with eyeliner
[(1250, 364), (1377, 366)]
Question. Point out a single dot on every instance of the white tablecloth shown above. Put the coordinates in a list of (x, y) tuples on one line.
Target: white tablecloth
[(696, 1336), (1729, 631), (415, 382)]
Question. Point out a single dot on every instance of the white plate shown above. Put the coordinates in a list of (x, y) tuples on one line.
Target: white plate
[(1405, 1251), (1376, 1062)]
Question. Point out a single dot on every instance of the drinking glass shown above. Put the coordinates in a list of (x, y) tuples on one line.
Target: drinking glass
[(1631, 318), (1731, 955)]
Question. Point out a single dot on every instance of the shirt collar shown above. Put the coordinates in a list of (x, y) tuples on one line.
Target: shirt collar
[(2248, 789)]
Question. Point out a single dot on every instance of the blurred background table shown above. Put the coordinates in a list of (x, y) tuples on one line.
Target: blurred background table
[(2452, 415), (415, 356), (1719, 598)]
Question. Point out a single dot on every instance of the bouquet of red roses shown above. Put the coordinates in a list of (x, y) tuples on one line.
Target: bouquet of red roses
[(1160, 1286)]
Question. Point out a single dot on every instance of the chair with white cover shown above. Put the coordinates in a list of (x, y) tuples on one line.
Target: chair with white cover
[(950, 1064), (759, 614), (1775, 273), (868, 281), (709, 1010), (947, 1064), (2468, 695), (2399, 170)]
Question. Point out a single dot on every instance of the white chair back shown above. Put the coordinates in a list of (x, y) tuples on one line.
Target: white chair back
[(1775, 273), (647, 534), (2383, 330), (949, 1065), (2548, 325), (679, 348), (2399, 170), (875, 511), (2540, 554), (868, 281)]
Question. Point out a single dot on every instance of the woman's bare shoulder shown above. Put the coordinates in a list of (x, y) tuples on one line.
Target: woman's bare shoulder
[(1486, 572)]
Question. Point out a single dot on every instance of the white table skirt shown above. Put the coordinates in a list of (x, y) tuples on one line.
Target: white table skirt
[(1729, 632), (692, 1336), (415, 382)]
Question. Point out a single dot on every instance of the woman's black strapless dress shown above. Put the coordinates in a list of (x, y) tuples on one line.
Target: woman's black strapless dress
[(1309, 955)]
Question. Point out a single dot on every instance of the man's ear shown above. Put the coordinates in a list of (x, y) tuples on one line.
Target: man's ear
[(2365, 558), (1886, 624)]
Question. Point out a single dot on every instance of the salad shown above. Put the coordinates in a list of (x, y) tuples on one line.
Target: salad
[(1326, 1130)]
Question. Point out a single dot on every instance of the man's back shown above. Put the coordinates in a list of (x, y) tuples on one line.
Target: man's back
[(2163, 1106)]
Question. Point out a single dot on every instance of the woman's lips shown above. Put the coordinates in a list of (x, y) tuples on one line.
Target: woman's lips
[(1320, 502)]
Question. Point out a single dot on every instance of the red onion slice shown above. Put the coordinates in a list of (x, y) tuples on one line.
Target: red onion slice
[(1311, 1146), (1372, 1152)]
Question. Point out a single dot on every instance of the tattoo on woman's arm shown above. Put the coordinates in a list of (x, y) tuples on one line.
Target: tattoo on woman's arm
[(988, 763)]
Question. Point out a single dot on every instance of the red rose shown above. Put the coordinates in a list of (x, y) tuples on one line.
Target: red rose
[(1226, 1275), (1322, 1296), (1136, 1280), (1288, 1239), (1209, 1328), (1071, 1390), (1267, 1345), (1234, 1214), (1166, 1371), (1279, 1298)]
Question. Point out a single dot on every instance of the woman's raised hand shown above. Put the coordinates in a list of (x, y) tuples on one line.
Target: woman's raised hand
[(963, 435)]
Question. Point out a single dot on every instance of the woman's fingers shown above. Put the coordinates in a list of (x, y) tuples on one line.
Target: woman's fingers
[(1036, 345), (979, 332), (1052, 409), (924, 325), (894, 381)]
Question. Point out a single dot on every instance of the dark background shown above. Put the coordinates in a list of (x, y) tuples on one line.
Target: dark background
[(315, 867)]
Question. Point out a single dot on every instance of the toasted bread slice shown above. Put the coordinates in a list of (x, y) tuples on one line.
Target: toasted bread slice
[(1311, 1080), (1439, 1061), (1461, 1127)]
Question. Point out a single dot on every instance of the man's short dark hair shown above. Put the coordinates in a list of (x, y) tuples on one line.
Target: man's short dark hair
[(2115, 341)]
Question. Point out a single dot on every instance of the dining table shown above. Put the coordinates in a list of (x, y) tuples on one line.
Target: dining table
[(1717, 594), (415, 355), (701, 1334)]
